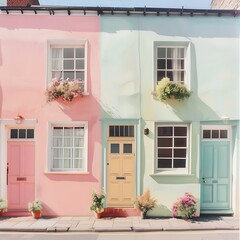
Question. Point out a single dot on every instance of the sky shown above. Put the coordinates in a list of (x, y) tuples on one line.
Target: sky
[(194, 4)]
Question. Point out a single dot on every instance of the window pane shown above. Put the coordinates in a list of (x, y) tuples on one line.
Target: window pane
[(79, 52), (68, 53), (69, 75), (170, 52), (161, 53), (165, 131), (206, 133), (79, 131), (215, 133), (68, 64), (68, 131), (164, 142), (56, 163), (57, 142), (57, 153), (68, 142), (180, 131), (179, 163), (161, 64), (56, 74), (131, 131), (170, 75), (165, 153), (180, 53), (80, 64), (80, 75), (180, 142), (180, 64), (164, 163), (223, 134), (57, 64), (127, 148), (78, 142), (30, 133), (56, 52), (57, 131), (14, 133), (111, 131), (77, 163), (22, 133), (180, 153), (114, 148), (68, 153), (170, 64), (122, 131), (67, 163), (160, 75), (117, 132)]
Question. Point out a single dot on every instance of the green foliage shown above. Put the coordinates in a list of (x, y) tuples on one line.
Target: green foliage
[(3, 204), (97, 202), (167, 89), (34, 206)]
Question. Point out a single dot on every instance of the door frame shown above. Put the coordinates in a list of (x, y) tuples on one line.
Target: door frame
[(229, 139), (5, 126), (105, 128)]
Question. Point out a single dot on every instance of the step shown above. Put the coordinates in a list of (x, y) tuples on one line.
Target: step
[(120, 212), (16, 213)]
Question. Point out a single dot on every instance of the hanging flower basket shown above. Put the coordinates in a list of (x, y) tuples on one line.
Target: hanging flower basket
[(65, 89), (167, 89)]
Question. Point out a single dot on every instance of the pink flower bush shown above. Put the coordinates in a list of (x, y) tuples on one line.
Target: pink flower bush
[(64, 88), (185, 206)]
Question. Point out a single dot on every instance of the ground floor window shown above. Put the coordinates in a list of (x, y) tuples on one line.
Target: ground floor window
[(172, 146), (69, 147)]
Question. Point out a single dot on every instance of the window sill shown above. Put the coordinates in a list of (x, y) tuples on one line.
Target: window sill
[(67, 173), (171, 175)]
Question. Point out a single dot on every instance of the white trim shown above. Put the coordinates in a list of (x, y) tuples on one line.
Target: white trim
[(5, 125), (173, 171), (68, 43), (216, 127), (51, 124)]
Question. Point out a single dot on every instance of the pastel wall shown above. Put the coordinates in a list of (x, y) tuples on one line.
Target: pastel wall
[(23, 70), (128, 79)]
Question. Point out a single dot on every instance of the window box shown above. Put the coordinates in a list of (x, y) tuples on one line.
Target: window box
[(65, 89), (167, 89)]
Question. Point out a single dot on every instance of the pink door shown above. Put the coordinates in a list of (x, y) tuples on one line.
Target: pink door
[(21, 158)]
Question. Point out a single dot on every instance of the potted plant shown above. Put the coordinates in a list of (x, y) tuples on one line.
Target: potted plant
[(3, 205), (35, 207), (145, 203), (185, 207), (167, 89), (64, 88), (98, 204)]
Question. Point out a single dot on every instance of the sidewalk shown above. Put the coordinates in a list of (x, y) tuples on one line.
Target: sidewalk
[(91, 224)]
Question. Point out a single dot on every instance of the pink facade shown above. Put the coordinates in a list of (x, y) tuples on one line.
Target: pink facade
[(23, 70)]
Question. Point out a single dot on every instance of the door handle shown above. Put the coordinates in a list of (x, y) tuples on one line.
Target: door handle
[(204, 181), (7, 172)]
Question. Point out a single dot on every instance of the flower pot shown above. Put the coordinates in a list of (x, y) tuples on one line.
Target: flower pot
[(98, 215), (143, 215), (36, 214)]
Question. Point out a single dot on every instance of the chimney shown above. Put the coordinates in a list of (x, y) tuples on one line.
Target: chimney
[(22, 3)]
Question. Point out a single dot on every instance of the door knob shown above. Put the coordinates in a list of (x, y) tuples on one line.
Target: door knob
[(204, 181)]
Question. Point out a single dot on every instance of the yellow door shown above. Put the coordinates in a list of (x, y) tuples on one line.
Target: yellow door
[(121, 173)]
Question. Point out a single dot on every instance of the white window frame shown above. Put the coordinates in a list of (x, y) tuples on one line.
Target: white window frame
[(216, 127), (84, 124), (188, 152), (187, 54), (67, 44)]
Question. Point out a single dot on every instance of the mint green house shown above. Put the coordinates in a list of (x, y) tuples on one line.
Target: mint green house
[(170, 147)]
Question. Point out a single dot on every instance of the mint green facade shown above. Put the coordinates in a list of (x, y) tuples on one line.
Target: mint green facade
[(128, 77)]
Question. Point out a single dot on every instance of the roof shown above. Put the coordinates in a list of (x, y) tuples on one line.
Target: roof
[(22, 2), (119, 10)]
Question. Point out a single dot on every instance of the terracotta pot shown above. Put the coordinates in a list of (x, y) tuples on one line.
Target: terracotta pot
[(36, 214), (98, 215)]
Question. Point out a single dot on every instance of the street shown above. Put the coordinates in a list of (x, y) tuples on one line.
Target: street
[(186, 235)]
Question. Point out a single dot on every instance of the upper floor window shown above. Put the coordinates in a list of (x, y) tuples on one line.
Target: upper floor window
[(172, 147), (171, 63), (68, 61)]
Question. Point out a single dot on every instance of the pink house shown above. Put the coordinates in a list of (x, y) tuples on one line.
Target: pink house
[(49, 151)]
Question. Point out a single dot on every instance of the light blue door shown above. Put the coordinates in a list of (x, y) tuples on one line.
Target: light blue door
[(215, 176)]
